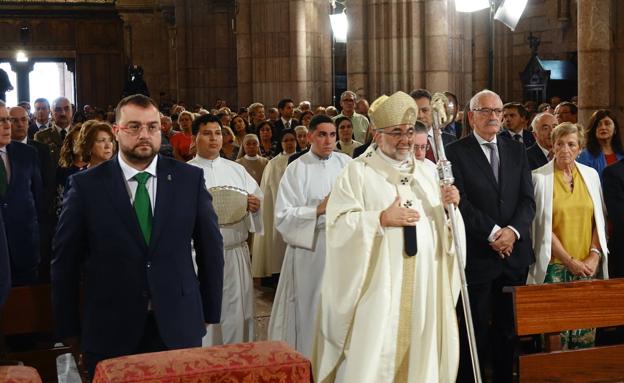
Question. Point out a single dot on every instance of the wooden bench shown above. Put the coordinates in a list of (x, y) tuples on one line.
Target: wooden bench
[(552, 308), (28, 310)]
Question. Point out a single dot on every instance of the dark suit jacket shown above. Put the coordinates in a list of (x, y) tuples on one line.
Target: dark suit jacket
[(527, 137), (485, 203), (536, 157), (5, 264), (99, 234), (21, 210), (279, 126), (360, 149), (613, 189), (297, 155)]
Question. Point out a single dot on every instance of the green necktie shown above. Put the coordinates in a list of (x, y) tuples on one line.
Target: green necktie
[(142, 206), (3, 178)]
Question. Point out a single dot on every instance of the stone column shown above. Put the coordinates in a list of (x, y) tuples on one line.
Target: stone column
[(22, 70), (619, 63), (595, 65), (283, 51)]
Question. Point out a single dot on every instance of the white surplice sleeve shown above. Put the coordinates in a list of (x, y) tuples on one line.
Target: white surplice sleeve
[(293, 218), (254, 220)]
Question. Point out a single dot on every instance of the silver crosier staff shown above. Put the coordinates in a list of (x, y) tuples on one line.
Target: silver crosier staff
[(444, 113)]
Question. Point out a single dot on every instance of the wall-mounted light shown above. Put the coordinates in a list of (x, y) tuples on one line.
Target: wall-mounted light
[(340, 26), (471, 5), (510, 11), (21, 57)]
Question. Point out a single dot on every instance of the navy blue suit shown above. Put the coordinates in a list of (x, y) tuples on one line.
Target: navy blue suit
[(98, 234), (21, 211), (527, 137)]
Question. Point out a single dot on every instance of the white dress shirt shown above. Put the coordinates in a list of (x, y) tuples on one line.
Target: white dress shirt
[(131, 184)]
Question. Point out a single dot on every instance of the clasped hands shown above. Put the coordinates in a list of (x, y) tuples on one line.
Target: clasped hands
[(503, 242), (396, 215), (585, 268)]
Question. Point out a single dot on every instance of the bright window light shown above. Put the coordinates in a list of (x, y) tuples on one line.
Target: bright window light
[(21, 57), (340, 26), (471, 5), (510, 11)]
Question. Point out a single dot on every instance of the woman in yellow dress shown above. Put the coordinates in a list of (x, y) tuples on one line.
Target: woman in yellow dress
[(569, 237)]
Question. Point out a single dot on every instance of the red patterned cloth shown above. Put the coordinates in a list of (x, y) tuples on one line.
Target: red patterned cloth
[(19, 374), (243, 362)]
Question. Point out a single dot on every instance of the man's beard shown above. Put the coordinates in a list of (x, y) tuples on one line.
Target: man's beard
[(137, 156)]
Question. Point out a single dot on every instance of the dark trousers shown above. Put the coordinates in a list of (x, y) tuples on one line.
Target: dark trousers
[(492, 315), (150, 342)]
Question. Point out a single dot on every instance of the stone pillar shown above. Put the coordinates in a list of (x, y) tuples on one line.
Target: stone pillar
[(619, 63), (595, 65), (283, 51), (22, 70), (406, 45), (481, 66)]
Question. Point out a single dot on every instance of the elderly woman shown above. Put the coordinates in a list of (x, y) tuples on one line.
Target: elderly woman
[(604, 145), (96, 142), (181, 143), (254, 163), (269, 249), (568, 231)]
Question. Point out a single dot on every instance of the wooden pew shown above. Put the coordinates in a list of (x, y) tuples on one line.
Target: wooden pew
[(551, 308), (28, 310)]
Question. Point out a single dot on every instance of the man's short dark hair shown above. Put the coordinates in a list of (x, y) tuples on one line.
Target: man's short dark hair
[(419, 127), (571, 105), (319, 119), (522, 111), (139, 100), (282, 103), (420, 93), (43, 100), (203, 120)]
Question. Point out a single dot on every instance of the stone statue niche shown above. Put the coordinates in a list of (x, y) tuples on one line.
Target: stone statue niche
[(134, 82)]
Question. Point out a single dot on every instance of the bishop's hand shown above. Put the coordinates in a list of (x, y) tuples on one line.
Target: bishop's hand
[(397, 216)]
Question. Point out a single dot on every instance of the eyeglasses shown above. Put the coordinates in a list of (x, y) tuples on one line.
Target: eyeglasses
[(488, 111), (134, 128), (421, 147), (397, 134)]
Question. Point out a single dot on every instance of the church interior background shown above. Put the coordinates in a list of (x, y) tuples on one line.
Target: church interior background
[(262, 50)]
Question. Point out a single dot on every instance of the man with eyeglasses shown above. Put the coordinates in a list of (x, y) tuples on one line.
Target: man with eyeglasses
[(493, 177), (425, 115), (391, 282), (237, 312), (359, 122), (127, 226), (20, 202), (566, 112), (19, 133)]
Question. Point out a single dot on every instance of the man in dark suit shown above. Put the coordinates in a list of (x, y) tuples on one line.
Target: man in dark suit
[(541, 152), (124, 225), (493, 177), (63, 113), (19, 133), (20, 201), (285, 107), (425, 115), (516, 121), (41, 118)]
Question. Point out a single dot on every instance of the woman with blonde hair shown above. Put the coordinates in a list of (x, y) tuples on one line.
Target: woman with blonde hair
[(568, 232), (181, 143), (229, 150)]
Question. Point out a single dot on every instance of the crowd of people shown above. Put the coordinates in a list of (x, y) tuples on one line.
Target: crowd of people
[(345, 217)]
